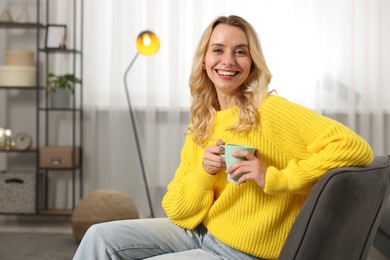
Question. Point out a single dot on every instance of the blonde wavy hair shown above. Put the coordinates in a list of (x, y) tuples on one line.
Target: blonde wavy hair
[(204, 96)]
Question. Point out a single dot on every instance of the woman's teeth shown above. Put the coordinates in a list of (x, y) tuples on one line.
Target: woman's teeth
[(226, 73)]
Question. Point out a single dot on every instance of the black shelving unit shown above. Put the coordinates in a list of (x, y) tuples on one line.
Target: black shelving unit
[(45, 113)]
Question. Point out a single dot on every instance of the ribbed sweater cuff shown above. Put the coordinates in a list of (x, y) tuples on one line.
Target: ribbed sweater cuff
[(203, 179), (275, 181)]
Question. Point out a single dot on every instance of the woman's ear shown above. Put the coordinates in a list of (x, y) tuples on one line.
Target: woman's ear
[(203, 66)]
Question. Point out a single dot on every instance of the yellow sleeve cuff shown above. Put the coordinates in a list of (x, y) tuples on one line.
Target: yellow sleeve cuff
[(275, 181)]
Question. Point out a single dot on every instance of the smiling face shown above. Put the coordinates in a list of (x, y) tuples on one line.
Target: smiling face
[(227, 60)]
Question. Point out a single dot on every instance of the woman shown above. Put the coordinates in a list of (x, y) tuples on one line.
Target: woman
[(209, 217)]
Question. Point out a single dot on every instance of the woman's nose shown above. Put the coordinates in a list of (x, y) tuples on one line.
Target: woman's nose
[(229, 59)]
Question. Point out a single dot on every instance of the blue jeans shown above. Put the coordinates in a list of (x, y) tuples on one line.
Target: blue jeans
[(152, 239)]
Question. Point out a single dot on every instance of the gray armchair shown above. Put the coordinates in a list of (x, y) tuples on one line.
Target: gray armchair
[(341, 215), (382, 238)]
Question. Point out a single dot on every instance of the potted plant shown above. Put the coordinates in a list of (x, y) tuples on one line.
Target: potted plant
[(60, 87)]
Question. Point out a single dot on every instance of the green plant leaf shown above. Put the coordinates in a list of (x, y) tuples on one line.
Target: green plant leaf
[(66, 81)]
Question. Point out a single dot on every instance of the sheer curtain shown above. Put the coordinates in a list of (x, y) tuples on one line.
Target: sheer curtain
[(328, 55)]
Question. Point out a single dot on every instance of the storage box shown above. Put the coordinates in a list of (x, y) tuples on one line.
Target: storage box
[(19, 58), (59, 157), (17, 76), (17, 192)]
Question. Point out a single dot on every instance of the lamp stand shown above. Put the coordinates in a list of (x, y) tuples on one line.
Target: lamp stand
[(136, 136)]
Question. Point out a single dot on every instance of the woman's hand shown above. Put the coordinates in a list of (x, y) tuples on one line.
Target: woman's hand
[(251, 169), (212, 159)]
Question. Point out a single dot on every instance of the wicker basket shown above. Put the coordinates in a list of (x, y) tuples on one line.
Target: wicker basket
[(17, 192), (101, 206)]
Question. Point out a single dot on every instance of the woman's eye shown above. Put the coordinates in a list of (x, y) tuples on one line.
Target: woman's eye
[(217, 50), (240, 52)]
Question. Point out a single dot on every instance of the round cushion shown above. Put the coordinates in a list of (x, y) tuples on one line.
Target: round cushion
[(101, 206)]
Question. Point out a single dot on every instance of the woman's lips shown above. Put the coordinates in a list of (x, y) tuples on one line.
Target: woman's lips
[(227, 73)]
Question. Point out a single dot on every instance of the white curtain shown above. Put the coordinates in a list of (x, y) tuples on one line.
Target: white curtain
[(328, 55)]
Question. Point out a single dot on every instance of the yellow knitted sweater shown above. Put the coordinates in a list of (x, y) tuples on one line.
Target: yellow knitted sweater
[(298, 146)]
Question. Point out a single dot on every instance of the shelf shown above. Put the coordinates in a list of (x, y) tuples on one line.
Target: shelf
[(43, 212), (47, 109), (59, 169), (45, 118), (21, 25), (19, 151), (19, 87), (18, 213), (56, 212), (60, 51)]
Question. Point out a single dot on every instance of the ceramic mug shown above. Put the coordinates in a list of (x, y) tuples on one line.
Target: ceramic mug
[(231, 160)]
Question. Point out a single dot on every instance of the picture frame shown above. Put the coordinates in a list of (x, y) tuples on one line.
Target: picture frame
[(56, 36)]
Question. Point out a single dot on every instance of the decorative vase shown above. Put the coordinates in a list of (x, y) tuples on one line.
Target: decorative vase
[(5, 138), (6, 16), (24, 16), (60, 99)]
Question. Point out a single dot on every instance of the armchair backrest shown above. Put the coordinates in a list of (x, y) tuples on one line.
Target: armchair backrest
[(340, 217)]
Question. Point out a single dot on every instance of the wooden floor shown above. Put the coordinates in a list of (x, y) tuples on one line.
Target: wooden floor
[(56, 224)]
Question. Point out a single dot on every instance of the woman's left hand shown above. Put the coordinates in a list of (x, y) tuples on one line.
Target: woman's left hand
[(251, 169)]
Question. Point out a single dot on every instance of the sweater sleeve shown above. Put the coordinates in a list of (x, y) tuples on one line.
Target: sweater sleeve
[(189, 195), (313, 143)]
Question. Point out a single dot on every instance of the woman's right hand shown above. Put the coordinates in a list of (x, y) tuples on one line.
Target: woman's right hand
[(212, 159)]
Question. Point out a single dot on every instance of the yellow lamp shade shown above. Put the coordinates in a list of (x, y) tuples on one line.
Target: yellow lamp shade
[(147, 43)]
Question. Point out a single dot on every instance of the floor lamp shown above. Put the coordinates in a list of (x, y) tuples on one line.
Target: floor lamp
[(147, 44)]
